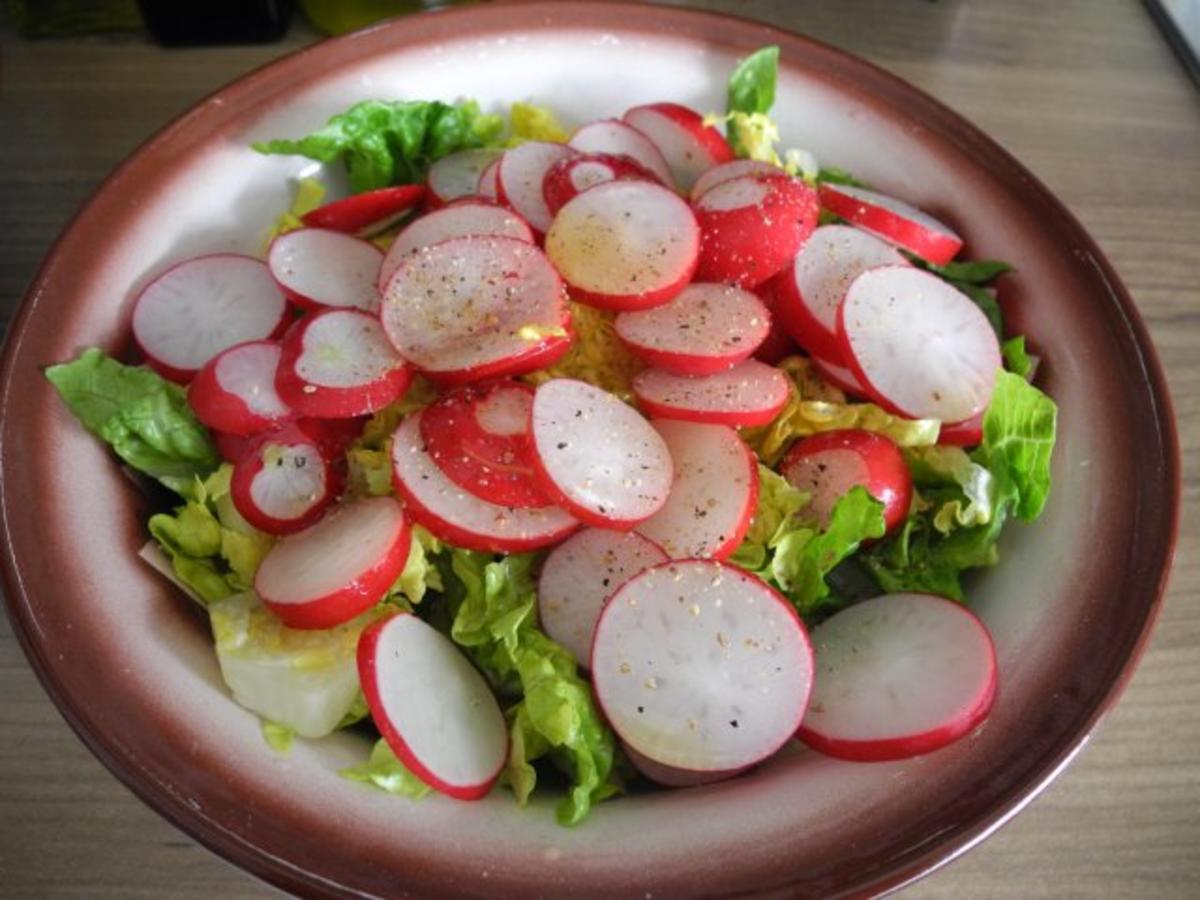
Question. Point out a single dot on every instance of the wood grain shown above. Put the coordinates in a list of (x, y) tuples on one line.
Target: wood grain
[(1086, 94)]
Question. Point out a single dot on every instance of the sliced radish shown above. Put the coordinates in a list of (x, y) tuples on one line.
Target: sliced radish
[(690, 147), (520, 176), (201, 306), (479, 438), (338, 364), (751, 393), (579, 576), (489, 185), (235, 391), (707, 328), (752, 227), (232, 447), (963, 434), (714, 494), (466, 218), (619, 139), (284, 482), (625, 245), (458, 516), (338, 568), (779, 344), (476, 307), (432, 706), (596, 456), (574, 175), (702, 667), (900, 675), (457, 175), (893, 220), (829, 464), (673, 776), (318, 268), (840, 377), (368, 212), (807, 292), (918, 345), (727, 171)]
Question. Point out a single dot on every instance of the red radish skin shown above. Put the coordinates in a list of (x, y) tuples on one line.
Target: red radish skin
[(339, 567), (708, 328), (829, 464), (920, 347), (368, 212), (479, 438), (235, 391), (338, 364), (751, 393), (809, 291), (203, 306), (689, 146), (840, 377), (752, 227), (489, 186), (284, 482), (520, 178), (572, 176), (477, 307), (457, 175), (578, 577), (470, 218), (900, 675), (232, 447), (779, 344), (963, 434), (701, 667), (893, 220), (714, 493), (434, 709), (322, 269), (727, 171), (625, 245), (670, 776), (459, 517), (615, 137)]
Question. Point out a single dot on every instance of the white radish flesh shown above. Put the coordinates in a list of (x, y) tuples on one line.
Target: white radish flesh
[(897, 676), (689, 146), (840, 377), (318, 268), (284, 482), (235, 391), (619, 139), (521, 174), (489, 186), (457, 175), (730, 170), (893, 220), (751, 393), (579, 576), (701, 666)]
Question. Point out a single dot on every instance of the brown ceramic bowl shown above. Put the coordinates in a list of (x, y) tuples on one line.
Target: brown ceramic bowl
[(130, 663)]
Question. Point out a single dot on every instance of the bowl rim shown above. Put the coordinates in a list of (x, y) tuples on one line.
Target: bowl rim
[(628, 16)]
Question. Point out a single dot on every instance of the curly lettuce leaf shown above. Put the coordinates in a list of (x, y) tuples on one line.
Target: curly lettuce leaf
[(1019, 430), (535, 123), (971, 497), (421, 573), (1017, 358), (142, 416), (384, 771), (777, 513)]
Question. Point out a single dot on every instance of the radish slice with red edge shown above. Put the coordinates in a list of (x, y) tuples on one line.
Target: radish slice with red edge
[(338, 364), (572, 176), (477, 307), (701, 667), (672, 776), (751, 393), (432, 706), (727, 171), (479, 438), (893, 220), (368, 212), (714, 493), (489, 185), (839, 376), (708, 328), (284, 482), (521, 175), (320, 269), (963, 434), (808, 292), (778, 344), (596, 456), (615, 137), (460, 219), (900, 675), (690, 147), (579, 576), (625, 245), (752, 227), (921, 347), (458, 516), (457, 175), (829, 464), (339, 567), (235, 390), (232, 447), (202, 306)]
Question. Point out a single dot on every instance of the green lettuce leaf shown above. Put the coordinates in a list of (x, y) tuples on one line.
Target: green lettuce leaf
[(834, 175), (1016, 358), (776, 514), (386, 772), (420, 573), (979, 271), (278, 737), (972, 495), (1018, 439), (752, 83), (142, 416)]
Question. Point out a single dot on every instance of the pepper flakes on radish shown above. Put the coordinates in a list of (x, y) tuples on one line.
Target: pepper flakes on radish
[(284, 481), (751, 393)]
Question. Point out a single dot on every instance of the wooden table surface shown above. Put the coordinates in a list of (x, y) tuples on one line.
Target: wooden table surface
[(1085, 92)]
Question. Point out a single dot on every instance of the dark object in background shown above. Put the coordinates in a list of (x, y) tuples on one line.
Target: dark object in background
[(60, 18), (1180, 23), (176, 23)]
